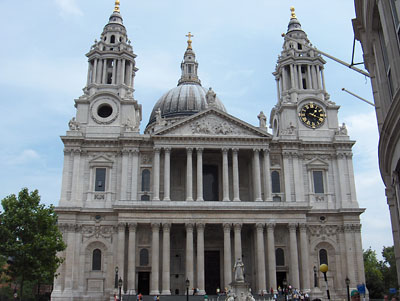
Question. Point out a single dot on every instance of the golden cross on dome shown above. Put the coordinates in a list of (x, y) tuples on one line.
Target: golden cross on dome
[(116, 9), (189, 41), (293, 13)]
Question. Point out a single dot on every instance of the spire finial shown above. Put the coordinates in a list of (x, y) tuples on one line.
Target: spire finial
[(293, 14), (189, 41), (116, 9)]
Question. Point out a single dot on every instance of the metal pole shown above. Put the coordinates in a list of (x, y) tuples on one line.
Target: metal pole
[(328, 55), (348, 292), (359, 97), (327, 288)]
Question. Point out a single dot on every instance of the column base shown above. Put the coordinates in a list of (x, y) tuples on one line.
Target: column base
[(166, 199), (156, 199), (236, 200), (154, 292), (259, 200), (166, 292), (226, 200), (200, 200)]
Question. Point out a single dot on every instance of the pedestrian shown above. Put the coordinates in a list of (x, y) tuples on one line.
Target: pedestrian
[(355, 295)]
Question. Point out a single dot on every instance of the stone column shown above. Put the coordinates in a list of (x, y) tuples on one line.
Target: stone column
[(323, 78), (122, 72), (287, 173), (94, 73), (350, 254), (257, 175), (292, 76), (155, 261), (189, 253), (225, 175), (104, 79), (199, 174), (121, 250), (114, 71), (166, 260), (167, 173), (305, 266), (235, 167), (310, 83), (99, 71), (294, 261), (394, 217), (278, 87), (260, 259), (238, 241), (300, 77), (298, 179), (200, 258), (189, 175), (124, 175), (267, 177), (227, 254), (135, 170), (132, 258), (271, 256), (318, 77), (156, 175)]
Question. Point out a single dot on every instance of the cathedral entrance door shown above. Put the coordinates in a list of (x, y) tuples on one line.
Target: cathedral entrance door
[(144, 283), (212, 272), (210, 183), (280, 276)]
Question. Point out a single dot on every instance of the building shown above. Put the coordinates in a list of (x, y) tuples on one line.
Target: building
[(377, 27), (202, 188)]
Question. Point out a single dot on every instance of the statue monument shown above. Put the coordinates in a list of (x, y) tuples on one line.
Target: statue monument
[(239, 289)]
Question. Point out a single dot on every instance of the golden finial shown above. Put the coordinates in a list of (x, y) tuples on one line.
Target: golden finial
[(189, 41), (293, 16), (116, 9)]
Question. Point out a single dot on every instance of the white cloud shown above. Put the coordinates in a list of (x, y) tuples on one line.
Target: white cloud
[(25, 156), (69, 7)]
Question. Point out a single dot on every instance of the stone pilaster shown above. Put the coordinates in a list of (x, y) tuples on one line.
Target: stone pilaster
[(132, 258), (135, 171), (227, 254), (166, 260), (189, 175), (235, 167), (155, 253), (189, 253), (294, 261), (305, 266), (167, 173), (124, 175), (121, 249), (200, 258), (199, 174), (260, 259), (287, 172), (156, 175), (271, 255), (257, 175), (225, 175), (238, 240), (267, 177), (350, 254)]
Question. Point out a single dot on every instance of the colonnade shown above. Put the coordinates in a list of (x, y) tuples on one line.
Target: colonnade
[(261, 184), (121, 71), (265, 278)]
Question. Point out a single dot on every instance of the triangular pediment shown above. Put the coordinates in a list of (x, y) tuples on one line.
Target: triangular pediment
[(101, 160), (317, 163), (212, 122)]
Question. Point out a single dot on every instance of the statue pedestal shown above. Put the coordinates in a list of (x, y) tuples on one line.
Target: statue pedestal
[(240, 291)]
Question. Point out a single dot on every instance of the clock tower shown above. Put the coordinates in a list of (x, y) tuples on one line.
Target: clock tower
[(303, 110)]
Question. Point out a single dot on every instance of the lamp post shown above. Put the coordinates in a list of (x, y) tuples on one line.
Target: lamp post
[(187, 283), (315, 276), (119, 287), (284, 283), (324, 268), (348, 289), (116, 278)]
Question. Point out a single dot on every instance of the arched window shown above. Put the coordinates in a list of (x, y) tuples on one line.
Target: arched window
[(323, 256), (146, 180), (144, 257), (276, 182), (112, 41), (280, 257), (96, 260)]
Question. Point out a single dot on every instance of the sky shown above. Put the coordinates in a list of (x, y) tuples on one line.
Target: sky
[(43, 68)]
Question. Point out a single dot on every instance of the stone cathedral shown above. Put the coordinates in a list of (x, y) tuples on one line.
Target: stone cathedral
[(201, 188)]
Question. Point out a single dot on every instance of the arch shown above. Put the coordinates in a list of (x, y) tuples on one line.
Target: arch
[(146, 180), (96, 260), (144, 257), (112, 40), (323, 256), (280, 257)]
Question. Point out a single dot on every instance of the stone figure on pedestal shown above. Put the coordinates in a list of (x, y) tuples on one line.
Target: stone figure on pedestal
[(239, 270)]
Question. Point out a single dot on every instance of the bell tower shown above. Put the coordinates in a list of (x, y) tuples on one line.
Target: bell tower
[(108, 96), (304, 109)]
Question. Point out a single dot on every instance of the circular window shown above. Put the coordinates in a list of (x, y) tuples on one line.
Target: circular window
[(105, 110)]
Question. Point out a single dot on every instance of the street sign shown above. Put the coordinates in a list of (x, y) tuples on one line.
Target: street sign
[(392, 290), (361, 288)]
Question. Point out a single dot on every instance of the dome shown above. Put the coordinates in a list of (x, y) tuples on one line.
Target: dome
[(183, 100)]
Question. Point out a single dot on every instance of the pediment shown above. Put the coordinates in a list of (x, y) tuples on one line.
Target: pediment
[(212, 123), (317, 163), (101, 160)]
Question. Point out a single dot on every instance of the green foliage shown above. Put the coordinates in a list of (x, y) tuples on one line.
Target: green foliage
[(29, 234), (373, 274), (389, 268)]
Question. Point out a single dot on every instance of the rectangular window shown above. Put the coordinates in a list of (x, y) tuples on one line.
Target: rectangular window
[(318, 181), (386, 61), (100, 184)]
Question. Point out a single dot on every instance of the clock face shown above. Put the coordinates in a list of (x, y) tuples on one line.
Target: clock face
[(312, 115)]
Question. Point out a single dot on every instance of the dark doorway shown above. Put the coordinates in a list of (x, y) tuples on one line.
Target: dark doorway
[(280, 276), (210, 183), (212, 271), (144, 283)]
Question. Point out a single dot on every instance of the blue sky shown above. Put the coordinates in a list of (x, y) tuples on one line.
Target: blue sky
[(43, 69)]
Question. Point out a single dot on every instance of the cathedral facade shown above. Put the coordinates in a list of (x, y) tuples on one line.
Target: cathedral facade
[(200, 188)]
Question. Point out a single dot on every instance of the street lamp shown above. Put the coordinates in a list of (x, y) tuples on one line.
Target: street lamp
[(324, 268), (284, 283), (187, 283), (119, 287), (116, 278), (348, 290), (315, 276)]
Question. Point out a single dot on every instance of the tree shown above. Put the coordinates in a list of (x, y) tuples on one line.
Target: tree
[(373, 274), (389, 268), (30, 237)]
